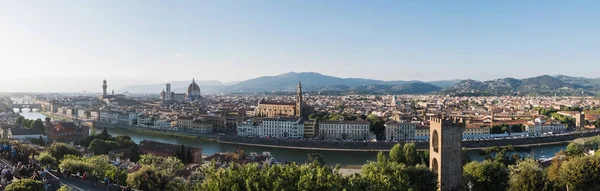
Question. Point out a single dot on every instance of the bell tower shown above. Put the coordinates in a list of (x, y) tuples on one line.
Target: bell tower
[(299, 101), (104, 86), (445, 151)]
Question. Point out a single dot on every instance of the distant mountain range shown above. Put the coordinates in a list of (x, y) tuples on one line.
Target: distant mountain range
[(315, 82), (540, 85)]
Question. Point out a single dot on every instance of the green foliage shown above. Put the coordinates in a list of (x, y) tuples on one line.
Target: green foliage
[(500, 129), (393, 176), (487, 175), (397, 154), (316, 158), (518, 128), (46, 159), (499, 154), (63, 188), (381, 158), (38, 141), (25, 185), (465, 157), (527, 175), (581, 173), (117, 175), (377, 125), (59, 150), (424, 157), (574, 149), (88, 114), (410, 154), (75, 165), (134, 154), (156, 172), (101, 147)]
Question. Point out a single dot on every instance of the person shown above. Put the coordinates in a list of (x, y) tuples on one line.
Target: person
[(45, 181), (106, 181), (9, 176), (84, 176)]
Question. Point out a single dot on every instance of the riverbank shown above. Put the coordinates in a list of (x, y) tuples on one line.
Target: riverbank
[(381, 150), (55, 116), (167, 134), (319, 145)]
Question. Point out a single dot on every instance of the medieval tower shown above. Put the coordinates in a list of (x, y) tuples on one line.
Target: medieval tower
[(445, 151), (299, 101), (104, 86)]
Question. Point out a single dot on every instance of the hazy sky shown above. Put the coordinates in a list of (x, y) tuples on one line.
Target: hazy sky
[(72, 45)]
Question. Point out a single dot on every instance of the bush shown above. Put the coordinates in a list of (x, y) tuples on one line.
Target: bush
[(64, 188), (46, 159), (25, 185), (59, 150)]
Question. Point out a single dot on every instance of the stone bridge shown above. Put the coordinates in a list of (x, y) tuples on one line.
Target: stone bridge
[(23, 105)]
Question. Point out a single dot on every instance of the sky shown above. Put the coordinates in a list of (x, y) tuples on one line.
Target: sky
[(71, 46)]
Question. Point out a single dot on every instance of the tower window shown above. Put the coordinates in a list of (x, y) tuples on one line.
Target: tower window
[(435, 141)]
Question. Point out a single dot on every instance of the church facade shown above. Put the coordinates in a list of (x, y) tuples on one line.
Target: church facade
[(273, 109)]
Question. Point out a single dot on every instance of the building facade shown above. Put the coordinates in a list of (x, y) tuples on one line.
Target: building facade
[(272, 109), (311, 129), (292, 128), (65, 131), (395, 131), (540, 126), (354, 130)]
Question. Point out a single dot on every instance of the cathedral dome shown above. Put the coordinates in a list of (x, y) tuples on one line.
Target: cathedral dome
[(193, 90)]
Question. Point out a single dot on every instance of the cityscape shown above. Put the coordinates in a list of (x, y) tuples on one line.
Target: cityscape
[(299, 95)]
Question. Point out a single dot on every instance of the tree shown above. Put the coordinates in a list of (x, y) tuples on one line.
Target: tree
[(148, 178), (39, 124), (581, 173), (410, 154), (104, 135), (87, 114), (102, 147), (527, 175), (25, 185), (397, 154), (486, 176), (20, 120), (465, 157), (393, 176), (425, 157), (59, 150), (46, 159), (381, 158), (376, 125), (117, 175), (189, 156), (316, 158), (134, 154), (574, 149)]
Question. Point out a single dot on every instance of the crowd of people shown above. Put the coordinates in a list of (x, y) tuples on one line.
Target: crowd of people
[(25, 166)]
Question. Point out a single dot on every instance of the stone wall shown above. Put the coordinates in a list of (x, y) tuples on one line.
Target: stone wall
[(319, 144)]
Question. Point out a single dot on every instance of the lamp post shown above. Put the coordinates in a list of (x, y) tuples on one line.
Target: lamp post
[(470, 184)]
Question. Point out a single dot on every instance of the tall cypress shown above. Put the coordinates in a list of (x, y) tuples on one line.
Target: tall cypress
[(190, 157)]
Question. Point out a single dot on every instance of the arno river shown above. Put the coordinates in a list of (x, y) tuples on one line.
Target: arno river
[(330, 157)]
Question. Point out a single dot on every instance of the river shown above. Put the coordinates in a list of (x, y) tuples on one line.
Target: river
[(282, 154)]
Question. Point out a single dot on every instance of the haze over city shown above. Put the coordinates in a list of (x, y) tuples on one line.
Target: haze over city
[(66, 46)]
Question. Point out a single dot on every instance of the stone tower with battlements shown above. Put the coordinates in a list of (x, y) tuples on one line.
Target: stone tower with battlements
[(104, 86), (445, 151)]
